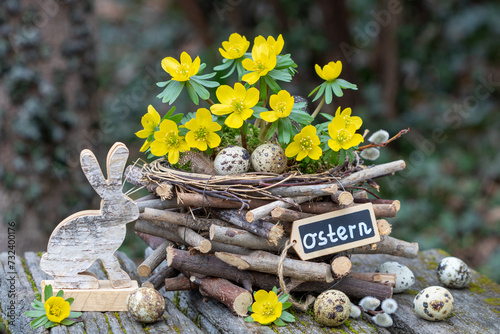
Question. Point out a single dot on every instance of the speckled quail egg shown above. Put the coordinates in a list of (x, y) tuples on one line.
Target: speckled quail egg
[(146, 305), (454, 273), (269, 158), (332, 308), (404, 276), (434, 303), (232, 160)]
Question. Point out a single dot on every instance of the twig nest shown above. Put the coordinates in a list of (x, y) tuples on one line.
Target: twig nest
[(232, 160), (332, 308), (146, 305), (434, 303), (269, 158), (404, 276), (454, 273)]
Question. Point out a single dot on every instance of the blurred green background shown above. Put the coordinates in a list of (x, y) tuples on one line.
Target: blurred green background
[(80, 74)]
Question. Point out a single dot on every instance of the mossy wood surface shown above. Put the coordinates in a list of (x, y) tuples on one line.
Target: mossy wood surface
[(477, 309)]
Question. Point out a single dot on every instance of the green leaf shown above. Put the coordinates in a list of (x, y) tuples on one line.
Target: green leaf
[(47, 292), (229, 73), (202, 67), (274, 289), (200, 90), (328, 93), (285, 130), (67, 322), (280, 75), (272, 84), (177, 118), (285, 61), (336, 89), (36, 304), (40, 321), (60, 293), (301, 117), (320, 91), (342, 156), (35, 314), (249, 319), (279, 322), (250, 308), (327, 116), (286, 305), (283, 298), (312, 92), (346, 84), (162, 84), (206, 83), (192, 93), (350, 154), (50, 324), (169, 113), (241, 69), (286, 316), (272, 130), (172, 92), (226, 63), (73, 314)]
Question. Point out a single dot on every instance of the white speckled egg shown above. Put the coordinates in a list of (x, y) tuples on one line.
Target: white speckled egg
[(404, 276), (232, 160), (332, 308), (269, 158), (434, 303), (146, 305), (454, 273)]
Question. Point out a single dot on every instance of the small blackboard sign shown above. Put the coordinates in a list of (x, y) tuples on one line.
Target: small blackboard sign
[(335, 231)]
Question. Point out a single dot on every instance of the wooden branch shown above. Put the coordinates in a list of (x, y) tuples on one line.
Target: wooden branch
[(243, 239), (271, 232), (373, 172), (157, 204), (361, 194), (268, 263), (222, 247), (341, 266), (210, 265), (383, 226), (309, 190), (352, 287), (342, 198), (380, 210), (235, 298), (183, 219), (265, 210), (133, 174), (151, 240), (391, 246), (179, 283), (288, 215), (157, 280), (389, 279), (196, 200), (194, 240), (154, 260), (146, 227)]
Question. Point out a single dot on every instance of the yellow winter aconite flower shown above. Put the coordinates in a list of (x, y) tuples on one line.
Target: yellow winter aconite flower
[(57, 309), (149, 121), (202, 134), (276, 46), (168, 141), (235, 47), (266, 307), (342, 137), (263, 60), (181, 71), (349, 120), (281, 105), (330, 71), (236, 102), (305, 144)]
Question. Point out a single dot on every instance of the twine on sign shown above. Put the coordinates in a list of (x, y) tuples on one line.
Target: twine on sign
[(309, 299)]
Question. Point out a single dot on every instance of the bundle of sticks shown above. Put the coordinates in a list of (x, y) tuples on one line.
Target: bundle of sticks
[(226, 241)]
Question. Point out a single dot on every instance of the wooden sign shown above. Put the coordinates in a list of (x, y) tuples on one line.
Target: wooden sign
[(335, 231)]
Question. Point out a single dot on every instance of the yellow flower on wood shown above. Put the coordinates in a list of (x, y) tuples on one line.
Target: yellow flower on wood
[(57, 309), (330, 71), (275, 45), (202, 134), (181, 71), (342, 137), (168, 141), (263, 60), (305, 144), (236, 102), (234, 48), (349, 120), (281, 105), (266, 307), (149, 121)]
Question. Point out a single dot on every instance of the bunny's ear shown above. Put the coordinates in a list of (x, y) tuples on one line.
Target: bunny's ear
[(92, 171), (115, 163)]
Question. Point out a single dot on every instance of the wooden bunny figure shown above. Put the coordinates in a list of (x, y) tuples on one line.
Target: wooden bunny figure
[(86, 236)]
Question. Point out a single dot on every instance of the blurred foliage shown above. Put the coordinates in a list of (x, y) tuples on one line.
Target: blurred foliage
[(447, 58)]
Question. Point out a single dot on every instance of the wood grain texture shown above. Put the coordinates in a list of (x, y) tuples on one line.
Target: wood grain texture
[(86, 236)]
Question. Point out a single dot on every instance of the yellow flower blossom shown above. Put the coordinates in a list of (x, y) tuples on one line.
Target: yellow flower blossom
[(202, 134), (266, 307), (276, 46), (349, 120), (237, 102), (343, 137), (181, 71), (168, 141), (234, 48), (263, 60), (149, 121), (281, 105), (305, 144), (330, 71), (57, 309)]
